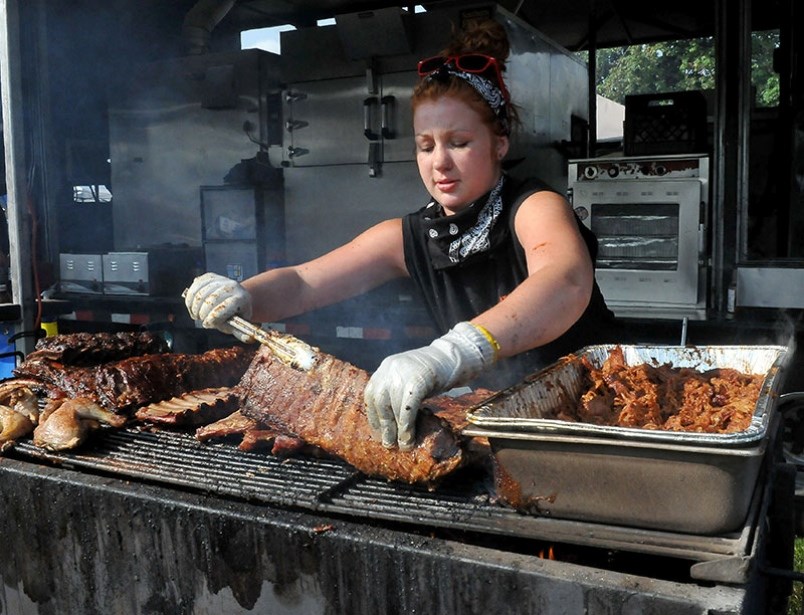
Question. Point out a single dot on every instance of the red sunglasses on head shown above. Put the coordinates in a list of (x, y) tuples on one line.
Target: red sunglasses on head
[(468, 63)]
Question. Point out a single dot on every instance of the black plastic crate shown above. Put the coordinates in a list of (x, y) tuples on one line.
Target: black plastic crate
[(670, 123)]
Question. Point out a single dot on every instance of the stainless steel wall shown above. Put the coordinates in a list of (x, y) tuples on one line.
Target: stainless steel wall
[(180, 125)]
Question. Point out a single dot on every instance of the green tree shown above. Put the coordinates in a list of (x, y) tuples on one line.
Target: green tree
[(763, 77), (681, 65)]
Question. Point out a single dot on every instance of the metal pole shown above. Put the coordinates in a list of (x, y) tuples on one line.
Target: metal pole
[(730, 168), (591, 145), (19, 222)]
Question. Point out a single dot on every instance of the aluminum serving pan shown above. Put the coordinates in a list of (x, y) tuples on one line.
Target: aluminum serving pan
[(521, 408), (704, 490)]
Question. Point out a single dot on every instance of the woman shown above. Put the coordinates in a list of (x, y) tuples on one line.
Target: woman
[(505, 268)]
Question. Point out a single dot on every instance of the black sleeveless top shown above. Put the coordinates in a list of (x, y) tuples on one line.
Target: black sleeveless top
[(455, 292)]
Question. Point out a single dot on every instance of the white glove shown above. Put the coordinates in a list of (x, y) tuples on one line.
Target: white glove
[(402, 381), (214, 299)]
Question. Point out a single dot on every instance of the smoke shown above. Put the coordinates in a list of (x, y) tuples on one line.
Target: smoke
[(788, 326), (786, 330)]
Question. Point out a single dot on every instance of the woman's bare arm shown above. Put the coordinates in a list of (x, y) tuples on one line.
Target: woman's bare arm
[(372, 258), (559, 283)]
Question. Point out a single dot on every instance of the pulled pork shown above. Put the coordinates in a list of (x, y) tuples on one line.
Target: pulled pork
[(665, 397)]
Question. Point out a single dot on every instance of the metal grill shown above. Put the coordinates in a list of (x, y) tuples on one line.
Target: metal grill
[(330, 486)]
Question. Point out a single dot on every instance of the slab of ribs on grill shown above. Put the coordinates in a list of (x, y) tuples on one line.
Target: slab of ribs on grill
[(320, 411), (324, 408), (90, 380)]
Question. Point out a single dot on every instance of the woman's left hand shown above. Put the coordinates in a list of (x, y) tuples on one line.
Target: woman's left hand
[(404, 380)]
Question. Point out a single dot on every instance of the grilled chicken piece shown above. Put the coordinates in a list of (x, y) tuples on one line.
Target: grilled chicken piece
[(19, 413), (13, 425), (69, 425), (18, 396), (26, 402)]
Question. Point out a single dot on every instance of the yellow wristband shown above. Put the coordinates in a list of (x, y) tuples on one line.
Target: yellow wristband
[(487, 334)]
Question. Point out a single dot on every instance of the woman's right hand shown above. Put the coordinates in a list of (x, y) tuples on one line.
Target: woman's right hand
[(213, 299)]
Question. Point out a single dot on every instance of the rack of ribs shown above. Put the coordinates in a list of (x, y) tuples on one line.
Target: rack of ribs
[(192, 408), (121, 386), (95, 348), (324, 407)]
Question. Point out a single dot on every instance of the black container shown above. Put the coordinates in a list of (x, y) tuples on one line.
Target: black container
[(671, 123)]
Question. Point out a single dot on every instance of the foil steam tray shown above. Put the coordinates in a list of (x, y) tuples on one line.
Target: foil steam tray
[(674, 481), (522, 407)]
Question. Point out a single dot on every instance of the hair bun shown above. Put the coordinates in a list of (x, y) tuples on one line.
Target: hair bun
[(484, 36)]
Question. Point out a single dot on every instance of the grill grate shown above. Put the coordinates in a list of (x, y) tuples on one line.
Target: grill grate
[(330, 486)]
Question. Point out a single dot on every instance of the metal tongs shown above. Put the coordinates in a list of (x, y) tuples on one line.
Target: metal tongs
[(286, 348)]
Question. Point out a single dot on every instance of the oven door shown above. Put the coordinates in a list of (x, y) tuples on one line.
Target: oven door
[(651, 236)]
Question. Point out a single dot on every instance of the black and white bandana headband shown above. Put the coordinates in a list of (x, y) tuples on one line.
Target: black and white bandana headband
[(485, 87)]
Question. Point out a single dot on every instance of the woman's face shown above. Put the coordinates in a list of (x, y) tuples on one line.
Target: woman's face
[(458, 155)]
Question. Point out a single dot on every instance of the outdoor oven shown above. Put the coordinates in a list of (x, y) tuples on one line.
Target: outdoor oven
[(650, 215)]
